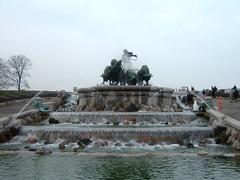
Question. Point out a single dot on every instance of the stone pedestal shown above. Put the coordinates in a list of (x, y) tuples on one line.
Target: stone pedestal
[(104, 98)]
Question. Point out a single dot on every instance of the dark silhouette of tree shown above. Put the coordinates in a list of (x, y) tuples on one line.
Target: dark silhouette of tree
[(18, 71), (4, 83)]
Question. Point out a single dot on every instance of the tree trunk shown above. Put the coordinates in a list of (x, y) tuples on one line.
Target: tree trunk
[(19, 88), (19, 84)]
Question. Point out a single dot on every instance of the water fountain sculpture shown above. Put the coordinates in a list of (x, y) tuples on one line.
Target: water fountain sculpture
[(121, 72), (125, 111), (126, 91), (38, 104)]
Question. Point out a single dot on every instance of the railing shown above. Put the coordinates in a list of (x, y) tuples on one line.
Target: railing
[(201, 99)]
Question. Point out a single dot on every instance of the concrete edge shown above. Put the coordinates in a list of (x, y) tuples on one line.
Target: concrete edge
[(225, 119)]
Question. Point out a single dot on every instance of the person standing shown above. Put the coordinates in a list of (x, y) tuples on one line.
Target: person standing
[(235, 93), (203, 93), (214, 90)]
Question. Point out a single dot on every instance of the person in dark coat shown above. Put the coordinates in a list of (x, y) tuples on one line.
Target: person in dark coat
[(214, 90), (235, 93)]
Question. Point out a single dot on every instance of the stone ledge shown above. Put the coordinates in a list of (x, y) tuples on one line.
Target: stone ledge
[(10, 125), (224, 119), (125, 88), (232, 133)]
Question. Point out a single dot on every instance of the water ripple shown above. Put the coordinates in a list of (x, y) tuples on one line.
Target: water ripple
[(70, 166)]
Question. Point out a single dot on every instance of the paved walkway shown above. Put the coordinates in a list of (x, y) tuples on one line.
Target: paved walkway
[(15, 107), (231, 109)]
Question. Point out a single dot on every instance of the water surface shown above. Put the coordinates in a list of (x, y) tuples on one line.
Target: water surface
[(161, 164)]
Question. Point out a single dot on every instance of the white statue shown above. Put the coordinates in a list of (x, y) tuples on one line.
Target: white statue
[(126, 59)]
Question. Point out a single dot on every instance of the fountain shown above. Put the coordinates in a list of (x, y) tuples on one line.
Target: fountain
[(147, 126), (125, 110)]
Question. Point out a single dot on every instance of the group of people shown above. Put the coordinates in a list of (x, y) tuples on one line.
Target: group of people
[(189, 97), (213, 92), (233, 94)]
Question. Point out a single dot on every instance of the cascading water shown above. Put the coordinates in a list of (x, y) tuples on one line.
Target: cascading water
[(183, 106), (141, 134), (91, 117), (147, 127), (150, 128)]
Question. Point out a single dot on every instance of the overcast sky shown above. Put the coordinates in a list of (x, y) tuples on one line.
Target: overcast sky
[(184, 42)]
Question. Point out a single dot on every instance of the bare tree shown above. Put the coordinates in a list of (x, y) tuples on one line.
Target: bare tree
[(18, 71), (4, 83)]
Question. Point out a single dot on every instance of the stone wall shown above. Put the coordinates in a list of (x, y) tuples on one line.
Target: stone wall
[(104, 98), (9, 126), (226, 128), (233, 135)]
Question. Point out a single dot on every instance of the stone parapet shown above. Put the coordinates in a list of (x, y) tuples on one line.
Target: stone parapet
[(230, 128), (104, 98)]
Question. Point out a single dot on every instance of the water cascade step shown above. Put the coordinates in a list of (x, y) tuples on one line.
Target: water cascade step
[(90, 117), (141, 134)]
